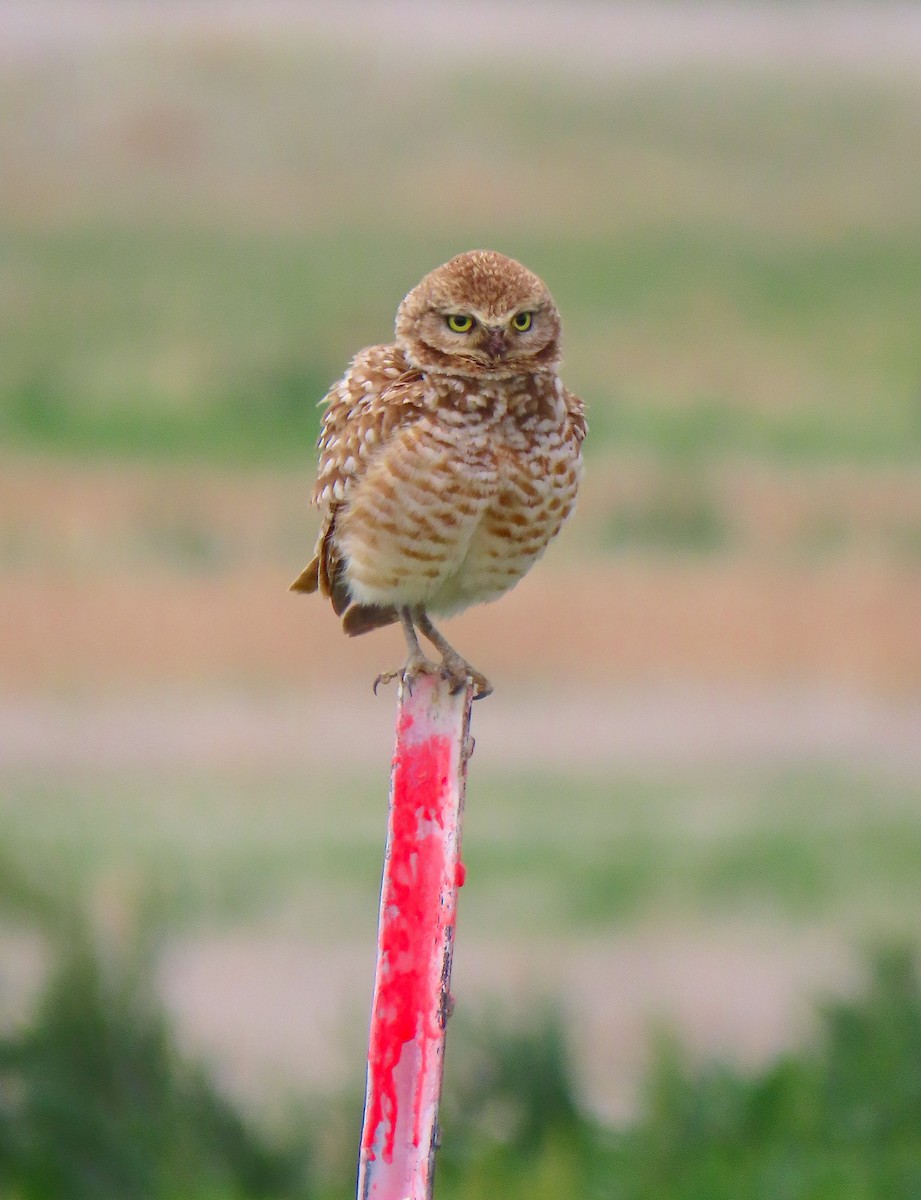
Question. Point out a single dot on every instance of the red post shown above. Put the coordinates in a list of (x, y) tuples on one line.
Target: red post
[(412, 999)]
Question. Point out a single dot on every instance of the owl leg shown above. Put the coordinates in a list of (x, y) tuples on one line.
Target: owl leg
[(457, 668), (416, 662)]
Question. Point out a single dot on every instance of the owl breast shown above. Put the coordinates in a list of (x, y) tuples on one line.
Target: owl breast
[(463, 501)]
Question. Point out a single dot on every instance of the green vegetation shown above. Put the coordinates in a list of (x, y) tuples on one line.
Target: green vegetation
[(738, 258), (554, 851), (236, 366), (836, 1119), (97, 1101), (679, 518)]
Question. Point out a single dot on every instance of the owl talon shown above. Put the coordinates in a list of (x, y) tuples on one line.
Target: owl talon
[(483, 687), (460, 672), (416, 664), (385, 677)]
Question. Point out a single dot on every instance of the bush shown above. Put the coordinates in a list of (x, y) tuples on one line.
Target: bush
[(97, 1103)]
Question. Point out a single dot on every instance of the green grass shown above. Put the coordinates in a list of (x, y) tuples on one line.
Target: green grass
[(552, 852), (235, 340), (837, 1118), (738, 259), (678, 517), (99, 1101)]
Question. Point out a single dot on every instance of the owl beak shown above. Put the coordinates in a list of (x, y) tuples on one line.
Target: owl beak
[(495, 343)]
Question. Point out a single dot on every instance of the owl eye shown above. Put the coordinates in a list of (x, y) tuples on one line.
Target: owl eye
[(459, 322), (522, 321)]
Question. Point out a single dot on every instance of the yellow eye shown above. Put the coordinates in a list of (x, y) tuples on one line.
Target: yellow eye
[(522, 322), (459, 322)]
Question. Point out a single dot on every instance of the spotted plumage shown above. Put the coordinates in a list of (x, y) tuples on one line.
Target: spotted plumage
[(448, 459)]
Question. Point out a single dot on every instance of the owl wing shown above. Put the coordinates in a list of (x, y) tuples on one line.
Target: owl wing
[(575, 411), (378, 395)]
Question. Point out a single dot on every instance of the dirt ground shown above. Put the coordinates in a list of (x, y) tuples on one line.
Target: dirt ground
[(129, 578), (295, 1015)]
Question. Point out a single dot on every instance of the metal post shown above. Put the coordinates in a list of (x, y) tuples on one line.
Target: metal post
[(412, 999)]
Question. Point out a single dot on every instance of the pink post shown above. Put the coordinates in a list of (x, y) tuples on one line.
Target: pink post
[(412, 999)]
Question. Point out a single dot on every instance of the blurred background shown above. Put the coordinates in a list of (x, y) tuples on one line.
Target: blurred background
[(695, 805)]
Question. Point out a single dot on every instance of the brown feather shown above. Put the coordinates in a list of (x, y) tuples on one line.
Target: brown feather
[(332, 568), (362, 618), (309, 578), (339, 594)]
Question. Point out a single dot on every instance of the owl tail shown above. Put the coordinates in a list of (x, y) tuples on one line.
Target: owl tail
[(359, 618), (318, 576), (362, 618), (309, 578)]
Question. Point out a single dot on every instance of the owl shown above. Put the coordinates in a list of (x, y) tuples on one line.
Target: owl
[(448, 459)]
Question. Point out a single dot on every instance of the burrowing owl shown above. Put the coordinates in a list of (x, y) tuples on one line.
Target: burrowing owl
[(448, 459)]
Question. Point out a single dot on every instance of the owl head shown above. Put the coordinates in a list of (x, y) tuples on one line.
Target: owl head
[(481, 314)]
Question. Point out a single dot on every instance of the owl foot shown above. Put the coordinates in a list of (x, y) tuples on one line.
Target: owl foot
[(415, 665), (455, 671), (458, 670)]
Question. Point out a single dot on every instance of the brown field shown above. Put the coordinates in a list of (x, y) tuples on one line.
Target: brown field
[(123, 577)]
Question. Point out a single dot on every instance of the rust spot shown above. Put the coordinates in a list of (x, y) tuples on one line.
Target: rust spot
[(430, 534), (385, 489), (388, 527), (420, 555)]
